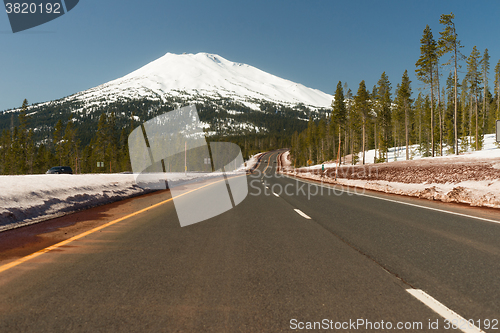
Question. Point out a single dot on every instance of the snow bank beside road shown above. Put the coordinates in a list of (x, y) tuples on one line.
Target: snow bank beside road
[(475, 193), (29, 199), (472, 178)]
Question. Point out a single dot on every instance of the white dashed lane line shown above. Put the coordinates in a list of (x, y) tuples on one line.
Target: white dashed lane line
[(443, 311), (301, 213), (276, 195)]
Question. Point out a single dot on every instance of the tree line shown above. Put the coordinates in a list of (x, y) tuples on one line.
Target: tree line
[(95, 140), (443, 119), (21, 154)]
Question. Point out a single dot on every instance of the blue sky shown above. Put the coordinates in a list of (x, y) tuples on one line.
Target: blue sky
[(313, 42)]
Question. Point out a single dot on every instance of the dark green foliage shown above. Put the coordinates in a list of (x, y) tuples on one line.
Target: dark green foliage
[(65, 133), (383, 108), (363, 107), (474, 79), (404, 107), (448, 42), (426, 65)]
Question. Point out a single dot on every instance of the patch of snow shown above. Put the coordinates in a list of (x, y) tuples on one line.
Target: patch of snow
[(32, 198), (444, 185), (234, 112)]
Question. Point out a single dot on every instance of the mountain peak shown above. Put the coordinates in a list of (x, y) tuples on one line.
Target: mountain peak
[(207, 74)]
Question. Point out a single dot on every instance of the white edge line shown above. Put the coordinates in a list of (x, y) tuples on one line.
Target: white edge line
[(396, 201), (301, 213), (443, 311)]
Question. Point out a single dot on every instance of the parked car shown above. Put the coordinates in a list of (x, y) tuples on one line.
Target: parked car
[(60, 170)]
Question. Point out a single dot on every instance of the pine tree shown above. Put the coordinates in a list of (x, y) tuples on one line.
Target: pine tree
[(384, 104), (100, 143), (124, 160), (448, 42), (321, 138), (419, 107), (5, 146), (449, 113), (349, 142), (23, 140), (474, 79), (57, 138), (70, 146), (404, 101), (497, 88), (485, 68), (362, 103), (425, 69), (466, 122), (439, 110), (14, 153), (30, 152), (339, 113)]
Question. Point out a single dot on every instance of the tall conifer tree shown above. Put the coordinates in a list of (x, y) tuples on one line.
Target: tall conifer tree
[(362, 101), (448, 42), (339, 114), (425, 69), (485, 70), (497, 88), (474, 78), (404, 102), (384, 104)]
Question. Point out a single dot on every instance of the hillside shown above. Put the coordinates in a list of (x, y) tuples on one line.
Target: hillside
[(233, 100)]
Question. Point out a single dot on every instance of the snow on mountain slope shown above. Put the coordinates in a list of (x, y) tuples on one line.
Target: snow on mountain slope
[(203, 74)]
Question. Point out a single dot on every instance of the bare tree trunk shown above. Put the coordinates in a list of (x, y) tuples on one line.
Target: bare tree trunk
[(432, 114), (440, 117), (477, 121), (322, 149), (470, 118), (420, 128), (364, 121), (333, 142), (345, 143), (340, 144), (484, 113), (455, 125), (375, 139), (406, 132)]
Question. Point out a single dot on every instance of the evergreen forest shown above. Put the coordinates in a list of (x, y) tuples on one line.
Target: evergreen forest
[(456, 108)]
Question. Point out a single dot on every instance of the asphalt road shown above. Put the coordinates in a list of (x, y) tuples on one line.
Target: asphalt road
[(342, 260)]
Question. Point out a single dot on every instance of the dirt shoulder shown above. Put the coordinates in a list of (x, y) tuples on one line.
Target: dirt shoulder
[(22, 241)]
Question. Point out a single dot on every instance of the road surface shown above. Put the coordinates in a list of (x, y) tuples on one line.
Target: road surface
[(293, 255)]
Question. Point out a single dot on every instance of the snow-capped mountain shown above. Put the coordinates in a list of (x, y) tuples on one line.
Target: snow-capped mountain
[(193, 76), (232, 99)]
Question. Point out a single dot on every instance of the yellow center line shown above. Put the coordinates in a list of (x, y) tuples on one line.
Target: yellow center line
[(268, 162), (69, 240)]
